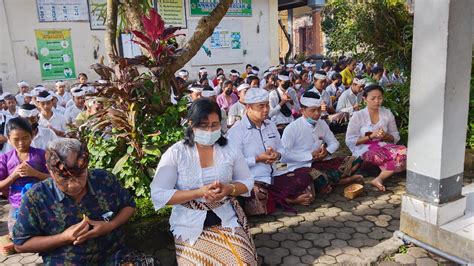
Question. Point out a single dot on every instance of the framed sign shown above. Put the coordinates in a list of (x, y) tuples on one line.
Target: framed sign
[(97, 14), (62, 10), (55, 54), (173, 12), (238, 8)]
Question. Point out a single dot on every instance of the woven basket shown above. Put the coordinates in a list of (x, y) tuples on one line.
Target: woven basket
[(353, 191)]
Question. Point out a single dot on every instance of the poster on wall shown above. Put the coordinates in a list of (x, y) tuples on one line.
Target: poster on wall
[(62, 10), (96, 19), (235, 40), (220, 39), (55, 54), (238, 8), (173, 12), (224, 46)]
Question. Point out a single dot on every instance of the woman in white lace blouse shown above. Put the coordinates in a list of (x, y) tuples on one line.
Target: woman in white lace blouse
[(200, 176), (372, 134)]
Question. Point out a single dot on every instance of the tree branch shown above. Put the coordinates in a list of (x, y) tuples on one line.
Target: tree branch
[(288, 38), (203, 30)]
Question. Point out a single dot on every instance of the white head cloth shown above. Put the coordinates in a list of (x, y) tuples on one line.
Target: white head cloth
[(310, 102), (28, 113), (243, 86), (283, 77), (256, 95), (23, 84)]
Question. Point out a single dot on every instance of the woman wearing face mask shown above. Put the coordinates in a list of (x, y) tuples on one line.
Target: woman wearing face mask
[(22, 166), (200, 177), (227, 98), (372, 134)]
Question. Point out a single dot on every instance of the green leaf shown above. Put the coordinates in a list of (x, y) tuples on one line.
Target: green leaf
[(120, 163)]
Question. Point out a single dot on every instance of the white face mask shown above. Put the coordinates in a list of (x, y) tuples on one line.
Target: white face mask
[(206, 138), (297, 86)]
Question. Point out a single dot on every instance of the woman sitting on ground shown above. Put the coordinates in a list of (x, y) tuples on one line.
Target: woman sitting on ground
[(200, 177), (22, 166), (372, 134)]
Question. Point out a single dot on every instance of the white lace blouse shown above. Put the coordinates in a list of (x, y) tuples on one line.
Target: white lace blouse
[(179, 169), (360, 123)]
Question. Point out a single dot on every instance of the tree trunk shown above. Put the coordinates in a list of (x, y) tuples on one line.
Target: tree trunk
[(204, 30), (133, 13), (288, 38), (110, 38)]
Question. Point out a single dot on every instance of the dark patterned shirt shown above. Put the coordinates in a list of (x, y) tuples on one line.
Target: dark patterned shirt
[(45, 210)]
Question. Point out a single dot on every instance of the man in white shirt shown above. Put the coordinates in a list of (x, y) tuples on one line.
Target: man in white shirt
[(10, 102), (309, 143), (41, 136), (283, 101), (351, 99), (237, 110), (49, 119), (78, 94), (58, 109), (3, 137), (62, 95), (24, 87), (259, 140)]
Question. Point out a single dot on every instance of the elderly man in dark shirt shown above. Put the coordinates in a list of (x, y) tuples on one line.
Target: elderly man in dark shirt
[(76, 216)]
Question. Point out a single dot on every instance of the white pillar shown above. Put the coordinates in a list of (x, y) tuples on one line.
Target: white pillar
[(439, 99), (439, 102)]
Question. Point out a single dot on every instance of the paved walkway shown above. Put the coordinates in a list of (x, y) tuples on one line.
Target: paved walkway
[(332, 230)]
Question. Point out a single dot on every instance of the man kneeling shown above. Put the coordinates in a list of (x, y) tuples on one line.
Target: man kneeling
[(309, 143), (75, 217)]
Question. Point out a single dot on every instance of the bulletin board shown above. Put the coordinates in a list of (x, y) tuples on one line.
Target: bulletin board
[(223, 47)]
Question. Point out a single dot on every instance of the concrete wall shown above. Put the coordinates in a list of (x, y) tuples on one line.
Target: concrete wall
[(19, 19)]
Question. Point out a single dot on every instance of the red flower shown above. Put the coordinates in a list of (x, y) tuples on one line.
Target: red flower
[(155, 37)]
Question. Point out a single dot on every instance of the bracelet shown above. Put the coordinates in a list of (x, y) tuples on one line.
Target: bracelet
[(233, 190)]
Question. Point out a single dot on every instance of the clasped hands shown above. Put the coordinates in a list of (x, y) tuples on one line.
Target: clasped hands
[(378, 134), (215, 191), (24, 169), (320, 153), (86, 229), (268, 157)]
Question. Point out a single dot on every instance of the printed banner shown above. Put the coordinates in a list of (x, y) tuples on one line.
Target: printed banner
[(62, 10), (55, 54), (239, 8), (97, 14), (172, 12)]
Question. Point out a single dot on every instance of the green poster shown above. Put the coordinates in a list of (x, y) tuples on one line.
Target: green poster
[(238, 8), (55, 54)]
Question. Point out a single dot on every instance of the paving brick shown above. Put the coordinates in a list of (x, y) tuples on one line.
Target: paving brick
[(338, 243), (308, 259), (417, 252), (326, 259), (404, 259), (332, 251)]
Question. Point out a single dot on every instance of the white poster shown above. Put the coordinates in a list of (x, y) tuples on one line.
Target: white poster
[(62, 10), (97, 14), (220, 39)]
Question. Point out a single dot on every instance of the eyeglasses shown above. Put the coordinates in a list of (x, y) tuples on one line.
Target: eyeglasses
[(207, 127)]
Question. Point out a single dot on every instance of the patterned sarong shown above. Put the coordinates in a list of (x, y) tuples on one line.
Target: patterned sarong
[(390, 157), (218, 245), (329, 172)]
